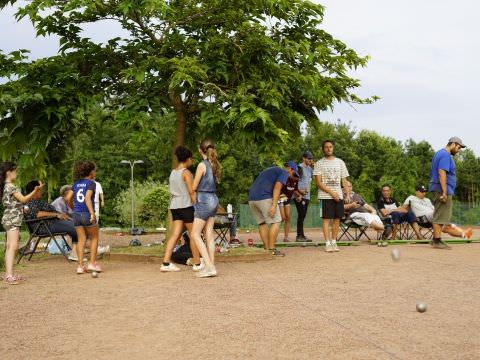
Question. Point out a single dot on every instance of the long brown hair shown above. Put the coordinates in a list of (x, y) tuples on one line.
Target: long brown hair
[(4, 168), (82, 169), (208, 148)]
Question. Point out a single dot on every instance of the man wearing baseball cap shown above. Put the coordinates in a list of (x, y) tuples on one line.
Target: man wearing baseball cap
[(423, 209), (263, 201), (301, 201), (443, 182), (419, 204)]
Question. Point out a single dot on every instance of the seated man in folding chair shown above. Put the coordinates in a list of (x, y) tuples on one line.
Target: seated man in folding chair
[(38, 208), (423, 208), (389, 207), (362, 213)]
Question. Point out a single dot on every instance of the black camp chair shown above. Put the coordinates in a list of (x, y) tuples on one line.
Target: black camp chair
[(351, 231), (39, 230)]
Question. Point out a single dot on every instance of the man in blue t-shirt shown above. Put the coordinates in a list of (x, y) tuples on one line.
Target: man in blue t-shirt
[(263, 200), (442, 186)]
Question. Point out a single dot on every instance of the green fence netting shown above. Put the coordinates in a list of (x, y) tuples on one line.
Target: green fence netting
[(463, 214)]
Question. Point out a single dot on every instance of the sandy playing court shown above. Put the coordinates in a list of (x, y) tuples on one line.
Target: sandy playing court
[(356, 304)]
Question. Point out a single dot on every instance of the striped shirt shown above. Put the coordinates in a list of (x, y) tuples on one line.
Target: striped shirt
[(332, 172)]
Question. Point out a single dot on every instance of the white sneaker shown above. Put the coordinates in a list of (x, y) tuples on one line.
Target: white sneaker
[(75, 258), (190, 262), (329, 247), (199, 267), (103, 249), (335, 246), (169, 268), (207, 272)]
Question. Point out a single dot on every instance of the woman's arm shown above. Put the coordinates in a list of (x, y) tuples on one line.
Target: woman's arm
[(188, 178), (24, 199), (58, 215), (88, 202)]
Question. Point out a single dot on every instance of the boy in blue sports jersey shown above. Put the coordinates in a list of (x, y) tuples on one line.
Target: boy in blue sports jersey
[(83, 194)]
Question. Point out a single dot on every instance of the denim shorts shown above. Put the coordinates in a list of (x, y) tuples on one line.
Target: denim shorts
[(206, 206), (82, 220)]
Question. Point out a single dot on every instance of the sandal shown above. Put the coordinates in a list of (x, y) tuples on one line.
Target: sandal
[(11, 280)]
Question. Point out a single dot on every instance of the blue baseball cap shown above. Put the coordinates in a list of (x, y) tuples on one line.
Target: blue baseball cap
[(292, 165), (308, 155)]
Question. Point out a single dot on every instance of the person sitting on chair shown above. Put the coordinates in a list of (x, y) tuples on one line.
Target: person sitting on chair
[(423, 209), (37, 208), (224, 217), (362, 213), (60, 203), (389, 207)]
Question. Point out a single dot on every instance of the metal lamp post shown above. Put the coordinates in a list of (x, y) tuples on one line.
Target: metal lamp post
[(132, 165)]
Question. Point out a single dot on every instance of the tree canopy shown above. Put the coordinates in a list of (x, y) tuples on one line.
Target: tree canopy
[(255, 69)]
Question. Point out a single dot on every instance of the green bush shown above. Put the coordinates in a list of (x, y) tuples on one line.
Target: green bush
[(154, 210), (151, 204)]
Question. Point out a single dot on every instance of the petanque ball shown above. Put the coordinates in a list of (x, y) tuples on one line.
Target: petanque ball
[(395, 254), (94, 274), (421, 306)]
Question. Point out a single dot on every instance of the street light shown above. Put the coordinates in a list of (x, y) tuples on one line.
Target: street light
[(132, 165)]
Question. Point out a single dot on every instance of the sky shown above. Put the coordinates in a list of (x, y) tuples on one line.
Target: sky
[(424, 64)]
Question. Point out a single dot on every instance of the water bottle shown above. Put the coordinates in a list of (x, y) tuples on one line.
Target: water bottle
[(230, 211)]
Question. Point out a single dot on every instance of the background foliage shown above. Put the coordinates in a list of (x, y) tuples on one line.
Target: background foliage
[(372, 160), (151, 204)]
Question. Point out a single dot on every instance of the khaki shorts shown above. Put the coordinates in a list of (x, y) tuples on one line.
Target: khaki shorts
[(260, 209), (443, 211)]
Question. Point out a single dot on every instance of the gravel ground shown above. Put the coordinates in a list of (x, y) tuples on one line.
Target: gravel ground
[(355, 304)]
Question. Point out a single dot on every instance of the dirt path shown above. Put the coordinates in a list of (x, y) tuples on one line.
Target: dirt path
[(356, 304)]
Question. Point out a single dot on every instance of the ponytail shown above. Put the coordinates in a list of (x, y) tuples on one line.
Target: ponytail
[(4, 168), (208, 149), (213, 159)]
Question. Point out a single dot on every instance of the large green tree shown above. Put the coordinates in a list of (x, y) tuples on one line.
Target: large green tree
[(255, 69)]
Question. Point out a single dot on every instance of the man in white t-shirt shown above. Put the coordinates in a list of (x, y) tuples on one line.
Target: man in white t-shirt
[(331, 175), (99, 199), (420, 205)]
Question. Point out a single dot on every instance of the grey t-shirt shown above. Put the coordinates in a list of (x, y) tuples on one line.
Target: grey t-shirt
[(61, 206), (305, 181), (180, 198)]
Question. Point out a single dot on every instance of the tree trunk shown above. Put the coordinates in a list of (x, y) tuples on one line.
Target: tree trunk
[(180, 128), (181, 123)]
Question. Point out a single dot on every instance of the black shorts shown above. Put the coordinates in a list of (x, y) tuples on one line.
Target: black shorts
[(332, 209), (184, 214)]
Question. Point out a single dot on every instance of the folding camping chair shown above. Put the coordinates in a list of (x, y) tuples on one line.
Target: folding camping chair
[(39, 230), (222, 226), (426, 227), (404, 230), (351, 231)]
